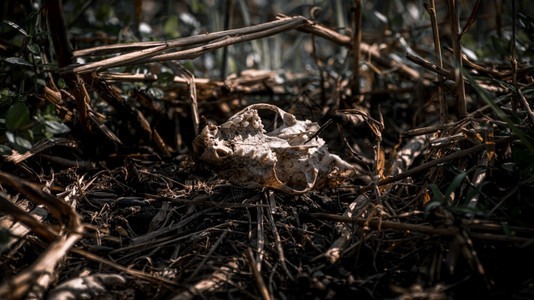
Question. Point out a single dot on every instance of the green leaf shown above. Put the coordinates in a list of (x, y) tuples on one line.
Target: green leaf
[(104, 13), (61, 83), (506, 84), (29, 133), (475, 191), (5, 100), (500, 113), (437, 195), (165, 78), (506, 229), (40, 81), (18, 61), (197, 7), (467, 210), (431, 205), (500, 46), (171, 27), (49, 113), (455, 183), (56, 127), (396, 21), (21, 144), (49, 66), (17, 27), (6, 93), (189, 66), (155, 92), (5, 150), (17, 116), (4, 233), (34, 48), (509, 166)]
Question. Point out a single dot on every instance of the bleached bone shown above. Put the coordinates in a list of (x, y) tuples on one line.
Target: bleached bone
[(241, 151)]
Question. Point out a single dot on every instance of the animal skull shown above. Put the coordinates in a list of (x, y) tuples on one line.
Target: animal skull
[(241, 151)]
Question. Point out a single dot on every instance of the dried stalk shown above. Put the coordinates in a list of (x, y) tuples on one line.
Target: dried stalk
[(43, 231), (260, 242), (277, 239), (356, 42), (260, 284), (213, 282), (111, 77), (526, 106), (187, 41), (38, 276), (451, 231), (192, 97), (457, 49), (365, 49), (478, 178), (345, 232), (228, 14), (142, 275), (59, 208), (20, 229), (431, 9), (38, 147), (430, 66), (129, 112), (39, 272), (435, 162), (218, 40)]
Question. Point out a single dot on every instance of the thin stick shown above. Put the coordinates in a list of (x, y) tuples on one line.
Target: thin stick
[(422, 130), (513, 60), (203, 262), (227, 23), (139, 274), (526, 106), (204, 202), (260, 242), (277, 239), (257, 276), (112, 77), (430, 66), (376, 223)]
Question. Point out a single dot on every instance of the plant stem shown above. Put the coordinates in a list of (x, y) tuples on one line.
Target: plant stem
[(431, 9), (356, 42), (457, 49)]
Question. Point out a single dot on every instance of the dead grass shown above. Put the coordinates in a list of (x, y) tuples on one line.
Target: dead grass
[(440, 208)]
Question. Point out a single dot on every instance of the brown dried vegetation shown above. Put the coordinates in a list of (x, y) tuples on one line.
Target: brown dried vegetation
[(440, 207)]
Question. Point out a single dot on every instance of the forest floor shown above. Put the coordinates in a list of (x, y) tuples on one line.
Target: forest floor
[(128, 205)]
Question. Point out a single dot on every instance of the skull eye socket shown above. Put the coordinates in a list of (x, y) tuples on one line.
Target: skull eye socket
[(221, 153)]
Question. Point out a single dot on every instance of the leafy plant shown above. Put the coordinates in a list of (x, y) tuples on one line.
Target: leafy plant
[(446, 199), (21, 124), (443, 199)]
